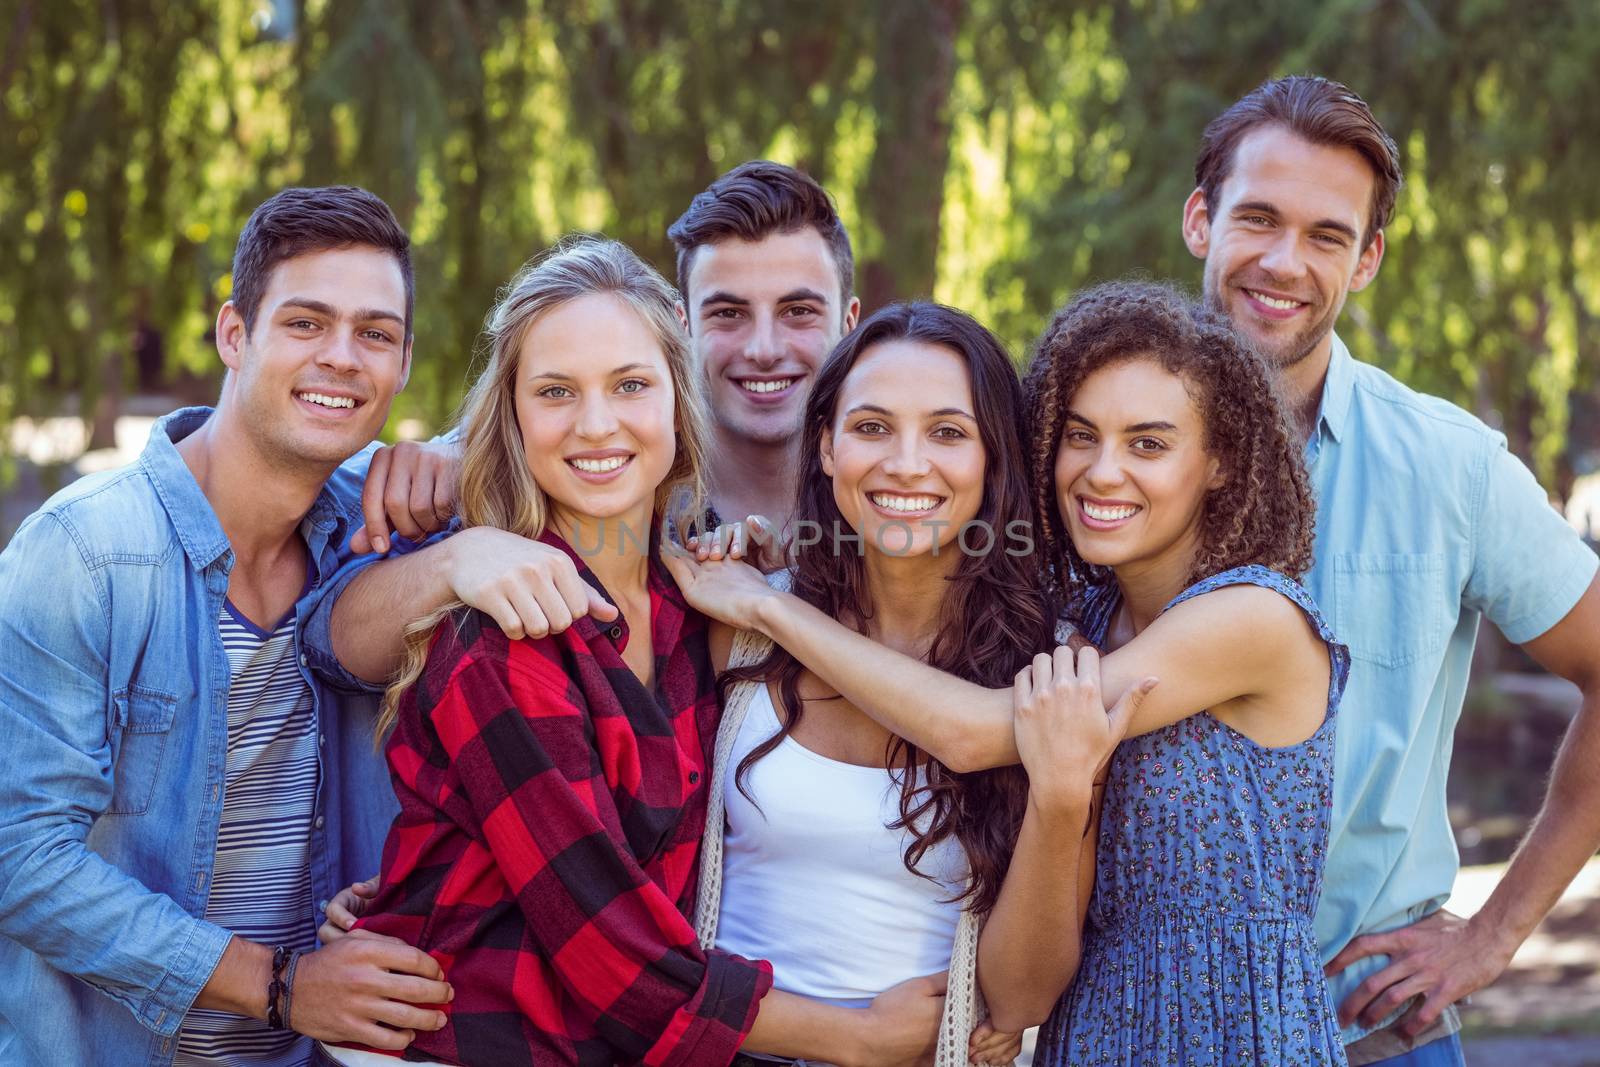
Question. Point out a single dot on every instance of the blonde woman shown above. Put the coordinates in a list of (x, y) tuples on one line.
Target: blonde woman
[(553, 791)]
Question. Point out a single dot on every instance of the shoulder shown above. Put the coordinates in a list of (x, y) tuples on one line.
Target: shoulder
[(1263, 616), (1384, 397), (114, 515), (470, 656)]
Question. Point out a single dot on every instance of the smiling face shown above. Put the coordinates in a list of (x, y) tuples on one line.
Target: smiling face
[(903, 451), (762, 316), (594, 401), (1132, 472), (1283, 249), (313, 381)]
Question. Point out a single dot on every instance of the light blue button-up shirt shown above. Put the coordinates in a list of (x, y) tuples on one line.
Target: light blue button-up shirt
[(113, 711), (1425, 522)]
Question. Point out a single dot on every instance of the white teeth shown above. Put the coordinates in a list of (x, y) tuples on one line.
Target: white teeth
[(323, 400), (1271, 302), (904, 503), (599, 466), (776, 386), (1101, 514)]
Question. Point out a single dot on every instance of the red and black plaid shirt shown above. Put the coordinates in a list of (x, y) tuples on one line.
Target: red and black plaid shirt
[(548, 841)]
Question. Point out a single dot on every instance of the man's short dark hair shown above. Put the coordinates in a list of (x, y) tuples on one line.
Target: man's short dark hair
[(298, 221), (753, 201), (1315, 109)]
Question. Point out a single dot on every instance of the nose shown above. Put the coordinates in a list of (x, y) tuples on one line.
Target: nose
[(761, 345), (1282, 258), (907, 462), (1105, 473), (341, 353), (596, 420)]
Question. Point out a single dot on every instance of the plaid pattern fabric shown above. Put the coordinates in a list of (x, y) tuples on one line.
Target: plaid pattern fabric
[(547, 846)]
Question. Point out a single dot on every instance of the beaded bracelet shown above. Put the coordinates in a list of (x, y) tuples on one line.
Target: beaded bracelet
[(280, 959)]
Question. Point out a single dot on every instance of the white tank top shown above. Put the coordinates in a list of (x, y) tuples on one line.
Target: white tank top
[(813, 881)]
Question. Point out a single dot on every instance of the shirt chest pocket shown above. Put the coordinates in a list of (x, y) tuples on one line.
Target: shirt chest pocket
[(141, 723), (1392, 608)]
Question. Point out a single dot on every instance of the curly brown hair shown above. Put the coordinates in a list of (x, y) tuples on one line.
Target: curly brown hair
[(1262, 513)]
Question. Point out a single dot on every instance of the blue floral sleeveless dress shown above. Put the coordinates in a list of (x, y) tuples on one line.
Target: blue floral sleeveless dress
[(1199, 948)]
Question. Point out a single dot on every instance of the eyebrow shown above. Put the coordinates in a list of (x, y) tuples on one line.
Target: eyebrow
[(360, 314), (1138, 427), (875, 409), (722, 296), (558, 376), (1265, 208), (794, 296)]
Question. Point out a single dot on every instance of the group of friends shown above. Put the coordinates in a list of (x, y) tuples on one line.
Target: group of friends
[(740, 682)]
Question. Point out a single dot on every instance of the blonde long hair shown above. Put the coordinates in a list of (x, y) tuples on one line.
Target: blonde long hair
[(496, 488)]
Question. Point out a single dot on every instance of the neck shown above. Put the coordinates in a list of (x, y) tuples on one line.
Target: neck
[(1303, 383), (1149, 585), (753, 478), (616, 549), (259, 502), (906, 594)]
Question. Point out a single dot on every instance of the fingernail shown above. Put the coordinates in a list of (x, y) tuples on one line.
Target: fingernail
[(382, 544)]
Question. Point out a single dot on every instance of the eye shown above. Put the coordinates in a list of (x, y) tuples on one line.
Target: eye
[(555, 392), (302, 324), (726, 314), (800, 311), (632, 385), (1079, 437), (871, 426), (1332, 240), (377, 335), (1148, 444), (1257, 220), (950, 433)]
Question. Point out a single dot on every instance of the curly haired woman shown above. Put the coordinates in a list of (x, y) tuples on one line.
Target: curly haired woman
[(1174, 512)]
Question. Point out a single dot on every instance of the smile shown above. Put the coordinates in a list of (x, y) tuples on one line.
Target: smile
[(1106, 514), (905, 505), (775, 385), (1274, 302), (325, 401), (603, 465)]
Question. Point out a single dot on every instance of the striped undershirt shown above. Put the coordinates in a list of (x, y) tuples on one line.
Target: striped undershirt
[(261, 885)]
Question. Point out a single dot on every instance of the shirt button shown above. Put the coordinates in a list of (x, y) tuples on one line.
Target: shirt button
[(694, 776), (317, 822), (322, 905), (616, 633), (302, 659), (322, 739)]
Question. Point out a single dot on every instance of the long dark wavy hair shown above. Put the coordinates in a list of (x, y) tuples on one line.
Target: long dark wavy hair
[(994, 616), (1262, 513)]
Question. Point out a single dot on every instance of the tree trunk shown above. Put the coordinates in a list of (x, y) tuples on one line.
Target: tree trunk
[(904, 196)]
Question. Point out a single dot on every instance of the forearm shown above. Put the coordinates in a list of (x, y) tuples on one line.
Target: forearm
[(1564, 836), (965, 726), (798, 1027), (1032, 941), (370, 617), (239, 984)]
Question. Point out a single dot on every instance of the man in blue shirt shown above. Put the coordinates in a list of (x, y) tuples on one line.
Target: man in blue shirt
[(1425, 523), (179, 793)]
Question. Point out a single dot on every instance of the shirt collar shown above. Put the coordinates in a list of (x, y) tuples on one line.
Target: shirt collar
[(1337, 389), (199, 530), (659, 580)]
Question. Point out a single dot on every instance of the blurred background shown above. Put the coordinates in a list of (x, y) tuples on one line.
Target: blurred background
[(996, 154)]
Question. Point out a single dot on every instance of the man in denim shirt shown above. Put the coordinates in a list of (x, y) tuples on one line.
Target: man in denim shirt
[(1425, 523), (125, 786)]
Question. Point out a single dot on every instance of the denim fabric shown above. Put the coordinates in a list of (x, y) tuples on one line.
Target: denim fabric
[(113, 706), (1445, 1052), (1425, 524)]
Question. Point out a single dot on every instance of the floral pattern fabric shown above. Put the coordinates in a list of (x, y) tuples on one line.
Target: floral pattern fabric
[(1199, 947)]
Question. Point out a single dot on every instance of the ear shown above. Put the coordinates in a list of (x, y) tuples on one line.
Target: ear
[(683, 315), (405, 369), (1367, 265), (1215, 477), (852, 314), (826, 450), (1197, 224), (231, 335)]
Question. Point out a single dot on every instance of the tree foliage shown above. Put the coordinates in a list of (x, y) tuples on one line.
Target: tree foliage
[(995, 153)]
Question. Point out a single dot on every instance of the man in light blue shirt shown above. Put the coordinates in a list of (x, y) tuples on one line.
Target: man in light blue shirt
[(1425, 524), (120, 924)]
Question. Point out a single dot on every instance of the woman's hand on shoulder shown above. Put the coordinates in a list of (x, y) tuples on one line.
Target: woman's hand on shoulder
[(723, 587), (1064, 732)]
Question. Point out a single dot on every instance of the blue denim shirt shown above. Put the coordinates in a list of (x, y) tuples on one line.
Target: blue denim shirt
[(113, 706), (1425, 524)]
